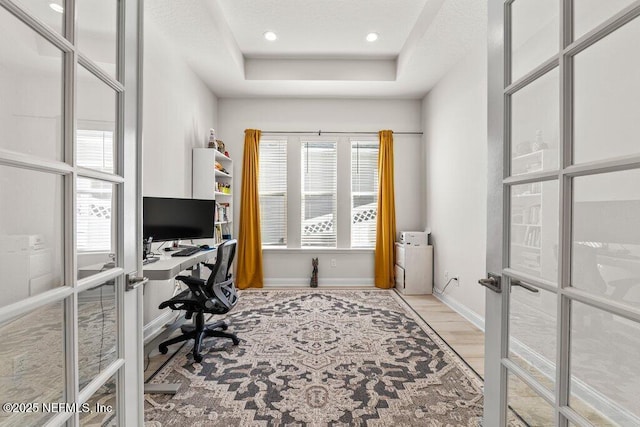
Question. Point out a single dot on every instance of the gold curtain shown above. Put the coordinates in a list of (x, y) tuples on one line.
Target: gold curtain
[(386, 218), (249, 240)]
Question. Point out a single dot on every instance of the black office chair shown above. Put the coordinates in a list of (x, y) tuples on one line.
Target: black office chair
[(216, 295)]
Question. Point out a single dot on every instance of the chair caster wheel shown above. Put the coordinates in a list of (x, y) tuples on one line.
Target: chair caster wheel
[(197, 358), (235, 341), (163, 349)]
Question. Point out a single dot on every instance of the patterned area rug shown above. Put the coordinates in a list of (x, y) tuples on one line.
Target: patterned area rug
[(320, 358)]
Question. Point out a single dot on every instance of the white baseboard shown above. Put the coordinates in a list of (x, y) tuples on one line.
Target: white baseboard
[(462, 310), (304, 282), (157, 325)]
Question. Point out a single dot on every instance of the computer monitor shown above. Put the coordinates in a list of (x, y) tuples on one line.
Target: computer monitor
[(167, 219)]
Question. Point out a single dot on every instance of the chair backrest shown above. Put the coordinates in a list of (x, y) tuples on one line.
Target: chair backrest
[(216, 288)]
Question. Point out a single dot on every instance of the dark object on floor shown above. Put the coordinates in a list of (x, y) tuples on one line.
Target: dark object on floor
[(217, 295), (314, 274)]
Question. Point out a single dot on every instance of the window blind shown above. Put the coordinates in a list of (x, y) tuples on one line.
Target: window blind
[(364, 193), (319, 201), (95, 149), (95, 220), (272, 189)]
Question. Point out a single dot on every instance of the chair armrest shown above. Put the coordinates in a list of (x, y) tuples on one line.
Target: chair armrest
[(196, 286), (190, 280)]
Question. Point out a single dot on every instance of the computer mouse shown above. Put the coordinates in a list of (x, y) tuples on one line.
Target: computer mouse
[(204, 247)]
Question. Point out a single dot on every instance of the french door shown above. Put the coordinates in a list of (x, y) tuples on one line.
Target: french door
[(563, 323), (70, 324)]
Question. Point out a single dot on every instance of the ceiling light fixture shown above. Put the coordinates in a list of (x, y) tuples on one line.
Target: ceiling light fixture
[(271, 36), (371, 37), (56, 7)]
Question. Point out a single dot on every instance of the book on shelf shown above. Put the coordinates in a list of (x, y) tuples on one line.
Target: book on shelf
[(532, 238), (534, 215)]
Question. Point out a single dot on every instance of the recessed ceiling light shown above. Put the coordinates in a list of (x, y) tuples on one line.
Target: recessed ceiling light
[(371, 37), (56, 7), (271, 36)]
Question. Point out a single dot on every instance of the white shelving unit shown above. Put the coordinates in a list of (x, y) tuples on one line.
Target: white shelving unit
[(530, 206), (211, 183)]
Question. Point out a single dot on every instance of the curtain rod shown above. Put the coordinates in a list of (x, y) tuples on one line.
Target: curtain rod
[(320, 132)]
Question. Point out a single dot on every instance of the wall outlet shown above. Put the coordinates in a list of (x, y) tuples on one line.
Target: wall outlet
[(20, 364), (334, 263)]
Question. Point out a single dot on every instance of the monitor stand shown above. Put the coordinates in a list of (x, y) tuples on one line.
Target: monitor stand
[(177, 245)]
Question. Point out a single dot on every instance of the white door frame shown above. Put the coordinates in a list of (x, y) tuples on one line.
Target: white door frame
[(500, 87), (127, 182)]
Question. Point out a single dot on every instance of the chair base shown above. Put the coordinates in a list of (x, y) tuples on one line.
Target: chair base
[(198, 332)]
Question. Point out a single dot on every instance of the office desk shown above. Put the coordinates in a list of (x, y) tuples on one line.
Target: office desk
[(159, 273), (168, 267)]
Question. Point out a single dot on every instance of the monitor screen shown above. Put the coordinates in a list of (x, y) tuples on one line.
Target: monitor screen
[(174, 219)]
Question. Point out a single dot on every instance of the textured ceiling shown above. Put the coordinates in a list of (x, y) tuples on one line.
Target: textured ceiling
[(425, 40)]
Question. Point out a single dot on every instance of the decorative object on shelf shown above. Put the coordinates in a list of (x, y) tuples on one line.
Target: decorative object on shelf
[(314, 274), (212, 139), (539, 143), (220, 145)]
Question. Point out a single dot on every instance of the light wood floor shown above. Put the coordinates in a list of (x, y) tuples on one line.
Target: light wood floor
[(458, 332)]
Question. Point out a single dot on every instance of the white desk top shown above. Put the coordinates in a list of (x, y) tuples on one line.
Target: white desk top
[(168, 267)]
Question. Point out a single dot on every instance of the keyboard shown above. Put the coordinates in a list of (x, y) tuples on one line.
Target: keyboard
[(187, 251)]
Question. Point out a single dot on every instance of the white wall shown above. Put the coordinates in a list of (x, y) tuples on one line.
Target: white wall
[(179, 110), (455, 126), (353, 267)]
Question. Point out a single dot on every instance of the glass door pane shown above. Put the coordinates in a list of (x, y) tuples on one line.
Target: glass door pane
[(33, 364), (31, 233), (98, 32), (97, 331), (607, 96), (50, 12), (535, 126), (103, 406), (588, 14), (606, 236), (532, 333), (96, 140), (31, 86), (534, 34), (534, 229), (96, 230), (527, 404), (604, 368)]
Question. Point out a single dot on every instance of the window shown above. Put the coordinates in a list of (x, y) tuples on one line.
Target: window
[(319, 201), (364, 193), (95, 198), (273, 192), (325, 169)]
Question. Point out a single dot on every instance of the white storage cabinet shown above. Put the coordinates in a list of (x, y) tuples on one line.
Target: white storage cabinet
[(414, 269)]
